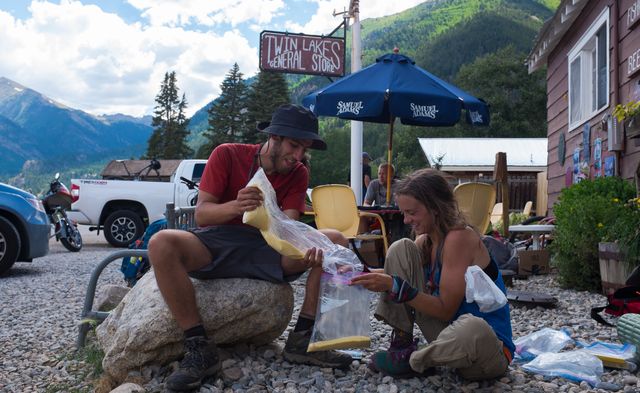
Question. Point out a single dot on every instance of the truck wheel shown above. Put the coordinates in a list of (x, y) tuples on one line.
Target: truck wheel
[(9, 244), (122, 228)]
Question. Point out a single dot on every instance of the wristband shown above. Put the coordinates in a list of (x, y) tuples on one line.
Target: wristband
[(402, 291)]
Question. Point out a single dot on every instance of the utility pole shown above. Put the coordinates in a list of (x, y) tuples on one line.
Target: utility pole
[(356, 126)]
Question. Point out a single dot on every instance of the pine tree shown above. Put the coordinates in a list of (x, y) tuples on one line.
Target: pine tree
[(266, 94), (228, 114), (168, 140)]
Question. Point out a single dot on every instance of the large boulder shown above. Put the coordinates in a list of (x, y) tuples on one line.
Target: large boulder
[(142, 331)]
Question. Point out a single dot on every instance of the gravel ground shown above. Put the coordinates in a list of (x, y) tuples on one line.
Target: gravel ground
[(43, 300)]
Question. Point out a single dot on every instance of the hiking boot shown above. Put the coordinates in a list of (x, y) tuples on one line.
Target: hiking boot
[(395, 360), (295, 351), (200, 360)]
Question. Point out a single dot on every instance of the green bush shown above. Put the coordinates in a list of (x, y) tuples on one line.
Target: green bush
[(625, 230), (584, 212), (514, 219)]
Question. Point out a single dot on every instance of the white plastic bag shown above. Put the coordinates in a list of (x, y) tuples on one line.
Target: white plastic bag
[(482, 290), (293, 238), (342, 317)]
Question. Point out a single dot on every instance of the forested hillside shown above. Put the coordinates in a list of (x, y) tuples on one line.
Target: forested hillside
[(479, 45)]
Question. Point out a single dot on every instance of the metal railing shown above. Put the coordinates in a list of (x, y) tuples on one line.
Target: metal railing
[(180, 218), (177, 218)]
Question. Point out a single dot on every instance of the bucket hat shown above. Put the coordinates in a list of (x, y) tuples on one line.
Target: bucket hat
[(366, 155), (294, 121)]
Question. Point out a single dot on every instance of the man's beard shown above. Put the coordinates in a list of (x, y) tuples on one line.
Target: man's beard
[(277, 160)]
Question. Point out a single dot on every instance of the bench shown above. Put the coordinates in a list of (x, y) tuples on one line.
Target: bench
[(177, 218)]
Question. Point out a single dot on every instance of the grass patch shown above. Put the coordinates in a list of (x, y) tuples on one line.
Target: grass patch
[(84, 367)]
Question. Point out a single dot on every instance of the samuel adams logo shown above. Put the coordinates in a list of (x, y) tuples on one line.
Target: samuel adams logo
[(423, 110), (349, 107), (476, 117)]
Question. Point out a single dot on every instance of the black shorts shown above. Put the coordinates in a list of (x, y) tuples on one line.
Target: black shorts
[(239, 251)]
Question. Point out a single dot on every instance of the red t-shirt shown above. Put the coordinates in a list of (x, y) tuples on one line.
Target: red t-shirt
[(232, 165)]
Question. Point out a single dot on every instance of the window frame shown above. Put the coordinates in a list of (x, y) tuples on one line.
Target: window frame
[(575, 53)]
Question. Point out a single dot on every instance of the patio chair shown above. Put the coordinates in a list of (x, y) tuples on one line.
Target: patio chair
[(335, 207), (527, 208), (496, 213), (476, 200)]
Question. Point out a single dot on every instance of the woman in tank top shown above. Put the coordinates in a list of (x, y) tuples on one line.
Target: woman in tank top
[(423, 283)]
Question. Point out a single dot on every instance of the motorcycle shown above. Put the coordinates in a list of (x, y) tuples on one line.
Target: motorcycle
[(56, 203), (191, 185)]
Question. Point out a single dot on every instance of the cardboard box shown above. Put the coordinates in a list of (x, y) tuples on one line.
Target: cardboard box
[(533, 262), (369, 254)]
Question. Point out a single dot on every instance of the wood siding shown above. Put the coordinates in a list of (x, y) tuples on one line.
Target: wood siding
[(557, 96)]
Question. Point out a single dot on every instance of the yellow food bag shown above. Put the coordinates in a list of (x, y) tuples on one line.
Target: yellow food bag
[(293, 238)]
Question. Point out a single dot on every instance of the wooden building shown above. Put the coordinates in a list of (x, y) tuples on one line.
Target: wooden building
[(591, 49), (473, 159), (139, 170)]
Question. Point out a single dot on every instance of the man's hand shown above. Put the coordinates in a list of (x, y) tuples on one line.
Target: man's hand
[(312, 258), (248, 199), (375, 281)]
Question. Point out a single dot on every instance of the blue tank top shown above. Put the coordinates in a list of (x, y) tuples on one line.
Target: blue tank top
[(499, 320)]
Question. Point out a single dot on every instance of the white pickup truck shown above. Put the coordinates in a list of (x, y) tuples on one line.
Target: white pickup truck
[(124, 208)]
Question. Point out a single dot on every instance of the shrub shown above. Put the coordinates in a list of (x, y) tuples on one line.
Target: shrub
[(625, 230), (514, 219), (584, 213)]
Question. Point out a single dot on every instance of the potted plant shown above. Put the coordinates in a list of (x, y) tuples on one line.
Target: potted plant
[(629, 113), (586, 214), (620, 250)]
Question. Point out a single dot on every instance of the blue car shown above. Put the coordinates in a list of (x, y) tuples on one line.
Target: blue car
[(24, 227)]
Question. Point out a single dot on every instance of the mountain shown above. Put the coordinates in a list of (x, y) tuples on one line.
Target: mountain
[(14, 149), (119, 117), (35, 127), (440, 35)]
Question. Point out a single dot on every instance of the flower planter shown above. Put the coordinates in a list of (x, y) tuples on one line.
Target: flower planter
[(632, 127), (614, 271)]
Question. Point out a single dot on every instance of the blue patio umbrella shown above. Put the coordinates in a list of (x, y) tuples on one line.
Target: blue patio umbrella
[(394, 87)]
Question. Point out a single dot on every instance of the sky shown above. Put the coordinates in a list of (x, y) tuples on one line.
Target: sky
[(110, 56)]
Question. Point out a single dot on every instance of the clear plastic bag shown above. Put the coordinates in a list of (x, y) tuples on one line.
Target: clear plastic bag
[(613, 355), (293, 238), (342, 317), (542, 341), (482, 290), (576, 366)]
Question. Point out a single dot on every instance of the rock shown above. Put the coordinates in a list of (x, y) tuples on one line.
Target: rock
[(142, 331), (233, 373), (129, 388), (110, 296)]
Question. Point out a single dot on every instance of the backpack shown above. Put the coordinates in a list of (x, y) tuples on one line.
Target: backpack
[(622, 301), (134, 268), (503, 252)]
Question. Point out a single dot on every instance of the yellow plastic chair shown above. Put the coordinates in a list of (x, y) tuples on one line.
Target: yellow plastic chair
[(335, 207), (476, 201), (496, 213)]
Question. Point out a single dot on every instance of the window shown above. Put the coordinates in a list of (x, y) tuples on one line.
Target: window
[(197, 172), (589, 72)]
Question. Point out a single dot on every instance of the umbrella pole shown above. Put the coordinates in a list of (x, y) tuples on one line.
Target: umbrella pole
[(389, 160)]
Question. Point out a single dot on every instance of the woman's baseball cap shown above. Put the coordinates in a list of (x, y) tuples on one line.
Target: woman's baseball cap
[(294, 121)]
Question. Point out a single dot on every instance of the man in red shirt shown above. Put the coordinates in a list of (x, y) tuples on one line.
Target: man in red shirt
[(223, 247)]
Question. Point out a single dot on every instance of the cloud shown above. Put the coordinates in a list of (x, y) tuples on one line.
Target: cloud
[(99, 62), (206, 12), (323, 21), (95, 61)]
